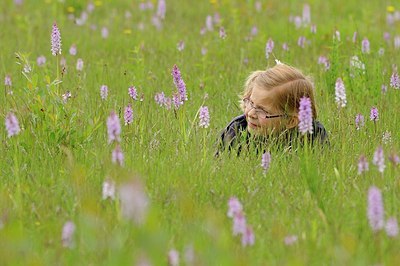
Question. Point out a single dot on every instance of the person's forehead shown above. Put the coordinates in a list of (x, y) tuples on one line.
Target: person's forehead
[(262, 96)]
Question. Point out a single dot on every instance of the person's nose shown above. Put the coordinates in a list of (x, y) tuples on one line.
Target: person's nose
[(251, 112)]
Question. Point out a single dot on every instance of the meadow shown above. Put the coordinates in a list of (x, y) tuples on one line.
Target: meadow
[(86, 181)]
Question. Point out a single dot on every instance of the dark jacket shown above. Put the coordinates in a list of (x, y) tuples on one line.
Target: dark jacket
[(235, 135)]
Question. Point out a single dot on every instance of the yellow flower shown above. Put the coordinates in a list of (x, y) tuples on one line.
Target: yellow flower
[(70, 9), (127, 31), (390, 9), (98, 3)]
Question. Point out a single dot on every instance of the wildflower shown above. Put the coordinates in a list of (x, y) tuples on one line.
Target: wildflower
[(204, 117), (266, 161), (290, 240), (355, 63), (384, 88), (301, 41), (363, 165), (359, 121), (117, 156), (155, 20), (79, 64), (72, 50), (180, 46), (305, 116), (257, 6), (41, 60), (103, 92), (379, 159), (395, 81), (66, 96), (108, 189), (387, 137), (161, 8), (203, 50), (285, 47), (313, 29), (391, 227), (306, 14), (104, 32), (222, 33), (68, 234), (340, 93), (55, 40), (322, 60), (160, 98), (248, 238), (173, 257), (235, 207), (254, 31), (337, 36), (12, 125), (297, 21), (179, 84), (203, 31), (128, 115), (397, 42), (374, 115), (375, 209), (134, 201), (239, 224), (176, 100), (386, 36), (27, 68), (209, 23), (133, 92), (216, 18), (189, 255), (113, 128), (269, 47), (365, 46), (381, 51), (7, 81)]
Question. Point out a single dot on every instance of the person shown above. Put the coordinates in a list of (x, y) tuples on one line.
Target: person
[(270, 103)]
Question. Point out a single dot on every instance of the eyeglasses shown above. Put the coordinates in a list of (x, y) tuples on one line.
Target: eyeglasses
[(259, 111)]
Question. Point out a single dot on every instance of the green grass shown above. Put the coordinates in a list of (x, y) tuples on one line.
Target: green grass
[(54, 169)]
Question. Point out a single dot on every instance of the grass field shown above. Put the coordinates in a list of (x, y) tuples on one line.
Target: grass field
[(171, 193)]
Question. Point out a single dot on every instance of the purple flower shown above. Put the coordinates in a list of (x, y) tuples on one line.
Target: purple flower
[(235, 207), (381, 51), (248, 237), (391, 227), (55, 40), (134, 202), (103, 92), (363, 165), (396, 42), (306, 18), (176, 100), (365, 46), (133, 92), (117, 156), (297, 21), (254, 31), (285, 47), (359, 121), (216, 18), (173, 257), (322, 60), (305, 116), (204, 117), (379, 159), (180, 46), (67, 95), (7, 81), (239, 224), (79, 64), (374, 115), (222, 33), (41, 60), (128, 115), (266, 161), (104, 32), (269, 47), (160, 98), (113, 128), (179, 84), (108, 189), (290, 240), (161, 8), (375, 210), (209, 23), (72, 50), (386, 36), (12, 125), (340, 93), (301, 41), (313, 29), (68, 234), (395, 81), (384, 88)]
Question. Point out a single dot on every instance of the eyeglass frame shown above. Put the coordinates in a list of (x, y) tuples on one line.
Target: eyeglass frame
[(249, 103)]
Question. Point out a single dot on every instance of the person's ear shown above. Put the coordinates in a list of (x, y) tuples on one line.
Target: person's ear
[(292, 122)]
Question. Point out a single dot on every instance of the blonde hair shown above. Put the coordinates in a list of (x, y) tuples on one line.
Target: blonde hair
[(288, 83)]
